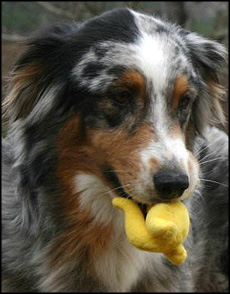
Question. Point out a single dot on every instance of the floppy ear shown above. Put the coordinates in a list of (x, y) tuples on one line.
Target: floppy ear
[(208, 58), (33, 81)]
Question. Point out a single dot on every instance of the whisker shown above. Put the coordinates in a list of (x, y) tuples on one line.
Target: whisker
[(201, 197), (204, 148), (117, 188), (116, 171), (215, 182), (202, 162), (206, 156)]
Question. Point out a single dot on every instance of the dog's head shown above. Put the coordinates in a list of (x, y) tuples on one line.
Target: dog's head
[(116, 102)]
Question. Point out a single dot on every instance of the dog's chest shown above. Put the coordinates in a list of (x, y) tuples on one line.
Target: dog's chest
[(122, 265)]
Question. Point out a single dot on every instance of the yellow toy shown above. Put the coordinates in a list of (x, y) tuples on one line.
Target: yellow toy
[(165, 228)]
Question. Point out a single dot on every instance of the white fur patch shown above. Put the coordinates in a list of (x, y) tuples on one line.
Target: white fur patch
[(95, 197), (122, 264), (164, 151), (153, 60)]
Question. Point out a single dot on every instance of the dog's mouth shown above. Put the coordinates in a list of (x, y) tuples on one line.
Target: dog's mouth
[(142, 206), (112, 177)]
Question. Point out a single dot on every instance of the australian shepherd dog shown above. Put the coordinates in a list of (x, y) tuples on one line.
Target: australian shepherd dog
[(124, 104)]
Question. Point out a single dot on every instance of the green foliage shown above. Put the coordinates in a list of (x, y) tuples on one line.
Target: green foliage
[(203, 26), (21, 17), (24, 17), (3, 131)]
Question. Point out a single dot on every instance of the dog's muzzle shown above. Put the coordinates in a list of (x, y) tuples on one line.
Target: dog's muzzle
[(170, 184)]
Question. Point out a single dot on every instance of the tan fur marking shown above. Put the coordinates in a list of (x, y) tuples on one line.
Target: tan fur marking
[(135, 81), (21, 80), (218, 93), (176, 131), (153, 161), (181, 86), (86, 152), (82, 233), (155, 165)]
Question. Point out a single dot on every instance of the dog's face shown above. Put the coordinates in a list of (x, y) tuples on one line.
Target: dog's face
[(124, 95), (141, 100)]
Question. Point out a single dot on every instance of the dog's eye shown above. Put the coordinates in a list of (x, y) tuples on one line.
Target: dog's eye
[(122, 98), (183, 109), (184, 102)]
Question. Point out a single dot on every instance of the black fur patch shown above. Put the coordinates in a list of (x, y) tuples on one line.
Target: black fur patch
[(92, 70), (120, 26)]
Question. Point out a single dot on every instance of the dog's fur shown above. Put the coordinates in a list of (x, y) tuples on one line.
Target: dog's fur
[(96, 110)]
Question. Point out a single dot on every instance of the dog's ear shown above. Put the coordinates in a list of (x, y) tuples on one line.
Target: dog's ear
[(33, 76), (209, 59)]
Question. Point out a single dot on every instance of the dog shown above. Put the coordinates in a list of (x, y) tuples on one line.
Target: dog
[(124, 104)]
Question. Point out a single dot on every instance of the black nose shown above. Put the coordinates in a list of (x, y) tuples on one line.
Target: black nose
[(170, 184)]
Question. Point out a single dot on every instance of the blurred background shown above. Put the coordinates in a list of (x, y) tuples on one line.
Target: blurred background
[(20, 19)]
